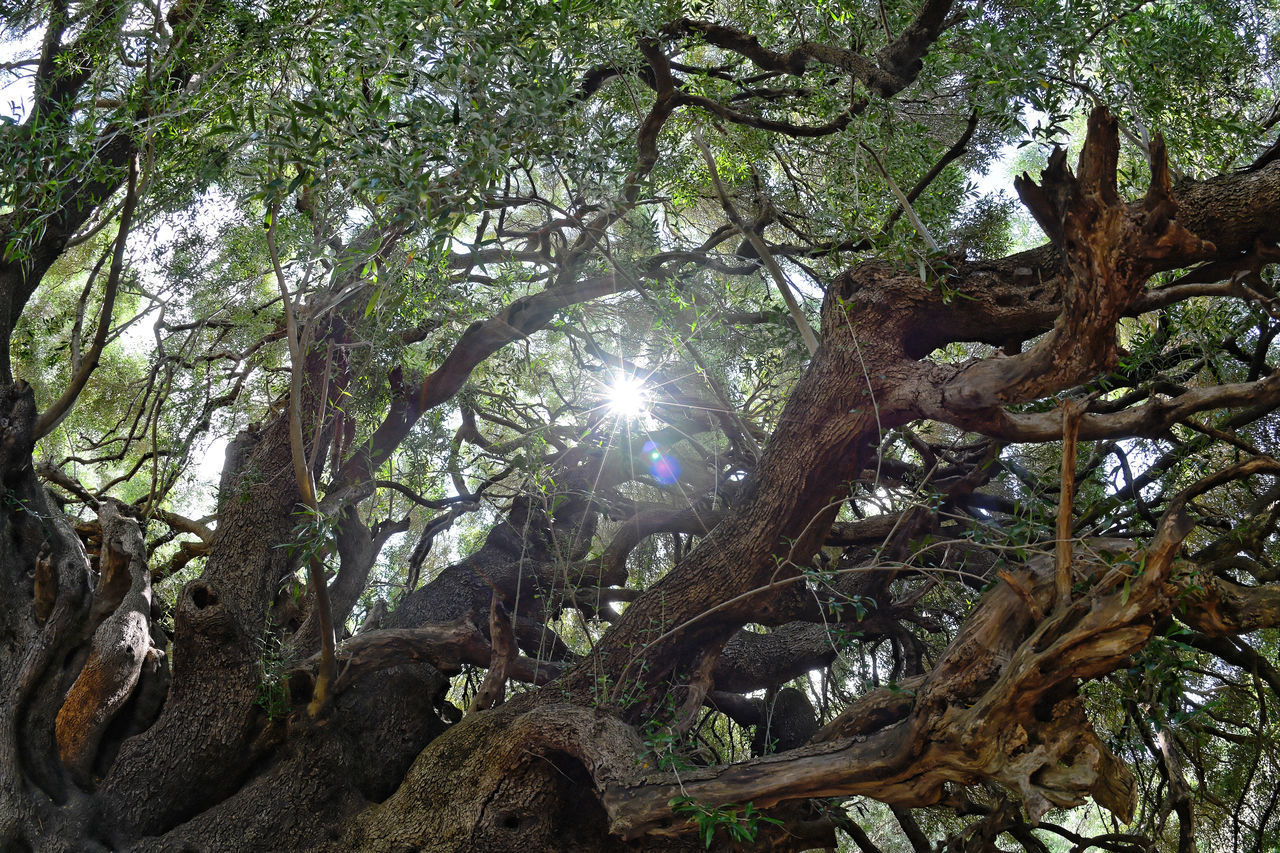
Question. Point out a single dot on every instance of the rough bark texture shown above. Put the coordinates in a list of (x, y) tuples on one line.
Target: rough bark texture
[(525, 776), (219, 623)]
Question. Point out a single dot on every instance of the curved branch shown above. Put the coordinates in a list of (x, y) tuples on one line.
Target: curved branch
[(302, 472), (895, 67), (999, 705), (446, 647), (521, 318), (1150, 419)]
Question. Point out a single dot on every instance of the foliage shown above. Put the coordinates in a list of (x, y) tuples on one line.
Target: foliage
[(741, 823)]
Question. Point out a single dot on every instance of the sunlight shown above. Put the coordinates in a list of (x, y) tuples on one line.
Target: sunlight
[(627, 397)]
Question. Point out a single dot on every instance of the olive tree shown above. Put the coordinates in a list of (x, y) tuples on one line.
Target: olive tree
[(634, 429)]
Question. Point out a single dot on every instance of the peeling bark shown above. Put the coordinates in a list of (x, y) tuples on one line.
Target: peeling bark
[(121, 644)]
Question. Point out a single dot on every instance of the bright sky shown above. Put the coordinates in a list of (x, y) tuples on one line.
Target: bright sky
[(15, 91)]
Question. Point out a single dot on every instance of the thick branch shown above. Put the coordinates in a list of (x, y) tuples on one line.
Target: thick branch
[(446, 647), (895, 67), (1150, 419), (1109, 252), (504, 649), (999, 705)]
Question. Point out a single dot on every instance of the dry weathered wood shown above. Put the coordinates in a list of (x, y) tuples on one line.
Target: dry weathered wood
[(1071, 411), (1000, 705), (121, 644), (1109, 250), (504, 649), (1220, 608)]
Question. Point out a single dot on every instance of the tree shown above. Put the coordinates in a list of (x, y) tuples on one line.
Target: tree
[(638, 433)]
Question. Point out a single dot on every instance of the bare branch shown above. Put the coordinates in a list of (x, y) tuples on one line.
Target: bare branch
[(757, 243)]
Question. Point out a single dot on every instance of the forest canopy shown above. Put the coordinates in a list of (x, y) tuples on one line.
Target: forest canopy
[(583, 425)]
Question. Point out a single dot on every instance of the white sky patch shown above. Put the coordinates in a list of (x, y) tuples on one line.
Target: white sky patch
[(998, 178), (201, 498), (997, 181), (1141, 455), (151, 254), (801, 283), (16, 86)]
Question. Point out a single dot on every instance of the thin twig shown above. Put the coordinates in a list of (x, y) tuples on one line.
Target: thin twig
[(766, 257), (903, 200), (884, 22), (60, 408)]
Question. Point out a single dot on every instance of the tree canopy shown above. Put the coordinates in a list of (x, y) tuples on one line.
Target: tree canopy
[(586, 425)]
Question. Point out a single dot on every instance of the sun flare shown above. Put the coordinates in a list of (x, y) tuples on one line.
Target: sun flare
[(627, 397)]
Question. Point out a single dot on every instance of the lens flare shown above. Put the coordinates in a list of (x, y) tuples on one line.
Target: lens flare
[(665, 469)]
